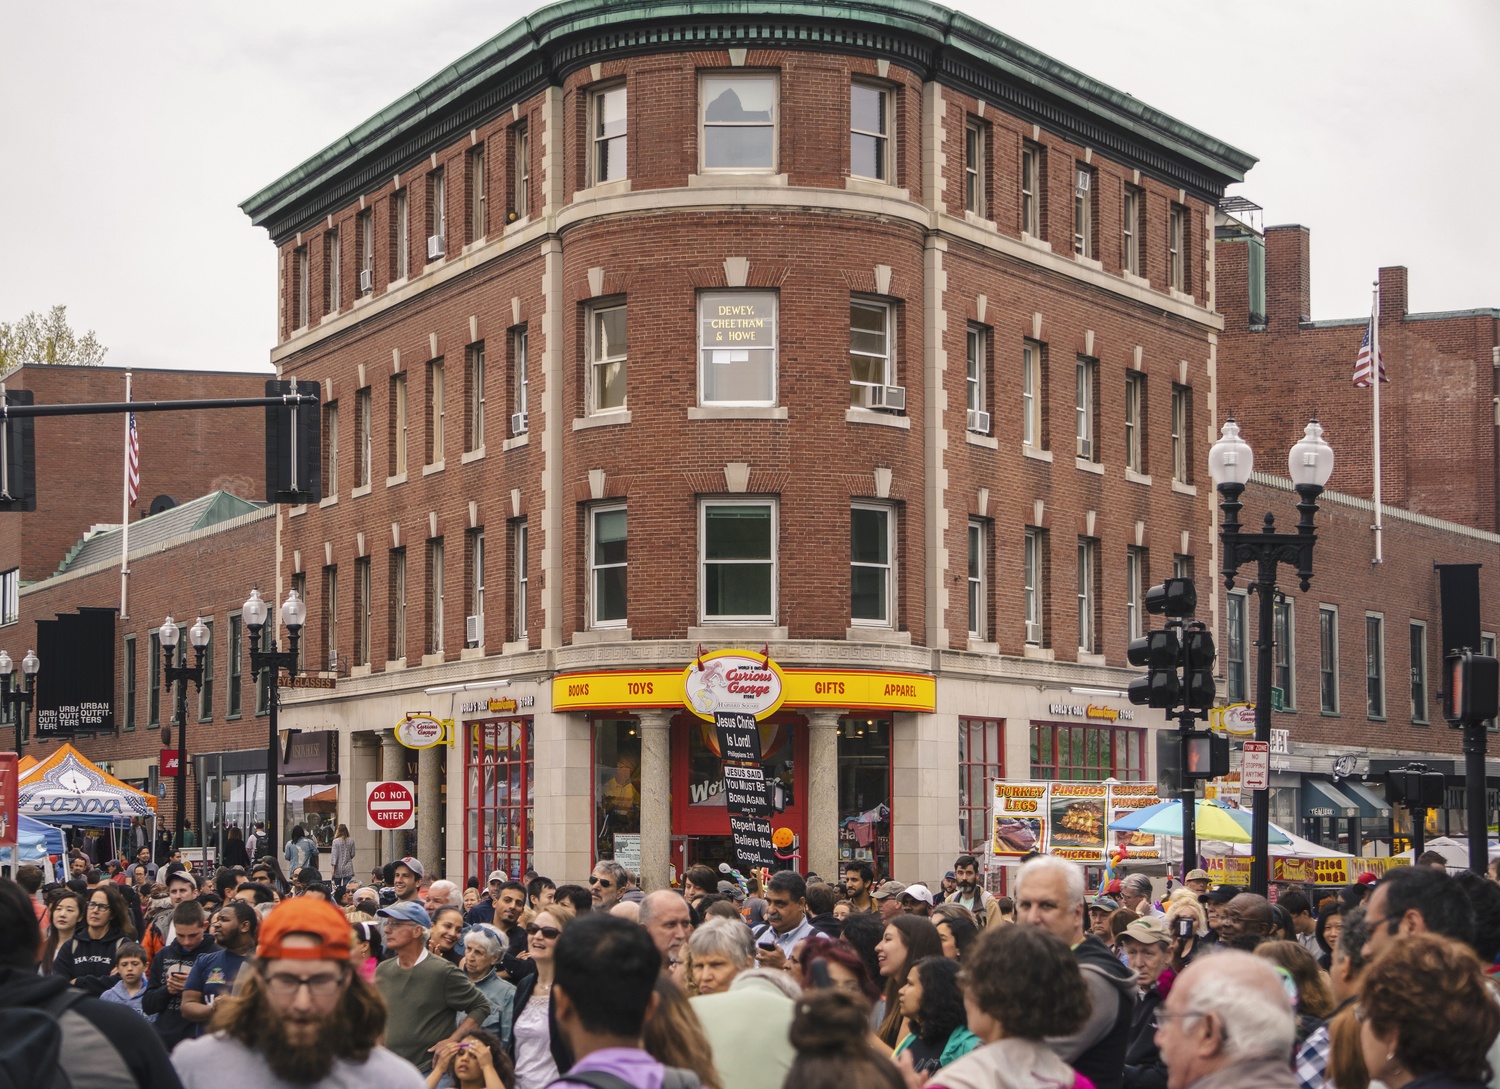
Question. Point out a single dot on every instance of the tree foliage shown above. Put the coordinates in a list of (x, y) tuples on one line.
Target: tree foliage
[(47, 338)]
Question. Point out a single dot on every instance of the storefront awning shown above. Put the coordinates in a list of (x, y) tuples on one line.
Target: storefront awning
[(1323, 799), (1371, 805)]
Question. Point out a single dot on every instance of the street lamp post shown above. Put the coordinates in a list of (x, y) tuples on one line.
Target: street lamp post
[(1230, 463), (270, 663), (21, 698), (179, 675)]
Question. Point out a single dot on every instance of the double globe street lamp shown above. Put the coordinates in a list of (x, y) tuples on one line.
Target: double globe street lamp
[(179, 675), (268, 664), (19, 698), (1230, 463)]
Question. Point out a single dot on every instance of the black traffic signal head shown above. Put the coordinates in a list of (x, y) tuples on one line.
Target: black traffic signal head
[(1159, 652), (1155, 650), (1472, 687), (1159, 688), (1174, 597), (1198, 684)]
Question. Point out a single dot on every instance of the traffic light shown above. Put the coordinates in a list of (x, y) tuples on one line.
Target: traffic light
[(1472, 692), (294, 444), (1205, 755), (1414, 787), (1159, 652), (1198, 688), (18, 456), (1173, 597)]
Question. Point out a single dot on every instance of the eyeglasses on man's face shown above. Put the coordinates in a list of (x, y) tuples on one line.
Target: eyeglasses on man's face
[(602, 882), (286, 984)]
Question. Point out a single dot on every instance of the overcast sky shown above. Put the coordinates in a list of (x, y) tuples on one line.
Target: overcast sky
[(133, 131)]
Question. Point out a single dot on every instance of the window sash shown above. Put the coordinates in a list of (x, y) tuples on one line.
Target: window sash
[(737, 554), (1134, 564), (436, 398), (744, 143), (235, 695), (870, 337), (1131, 255), (607, 359), (1374, 667), (403, 236), (522, 578), (1134, 400), (872, 565), (362, 611), (1086, 633), (1033, 588), (608, 567), (130, 682), (974, 145), (398, 603), (1031, 423), (975, 362), (608, 120), (1030, 190), (476, 580), (1085, 409), (398, 400), (477, 195), (367, 241), (1328, 653), (303, 288), (977, 565), (1083, 217), (521, 347), (737, 354), (981, 760), (869, 132), (332, 260), (476, 396), (1418, 672), (1284, 660), (1179, 433), (437, 193), (1236, 665), (364, 411), (435, 635), (331, 426), (521, 169), (1177, 223)]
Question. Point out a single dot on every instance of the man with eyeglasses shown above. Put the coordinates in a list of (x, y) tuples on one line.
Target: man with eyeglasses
[(1245, 921), (303, 1017), (1411, 900), (606, 884), (426, 994), (1227, 1023)]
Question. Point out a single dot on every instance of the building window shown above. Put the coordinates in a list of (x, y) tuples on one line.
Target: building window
[(474, 590), (976, 358), (400, 236), (869, 131), (1088, 596), (436, 412), (365, 258), (864, 786), (607, 355), (739, 121), (978, 579), (362, 611), (871, 360), (235, 695), (10, 596), (331, 617), (1182, 567), (206, 687), (1086, 406), (737, 347), (1032, 172), (518, 551), (738, 539), (435, 596), (1130, 230), (872, 575), (1236, 641), (331, 449), (1087, 753), (519, 347), (398, 425), (608, 564), (1374, 666), (976, 147), (1177, 247), (1136, 567), (153, 690), (331, 264), (474, 377), (1182, 433), (1033, 570), (607, 147), (130, 674), (437, 213), (1284, 669), (363, 437), (1418, 671), (396, 622), (1083, 211), (520, 160), (474, 169), (498, 794), (981, 761), (1135, 421), (302, 285), (1487, 648), (1033, 401)]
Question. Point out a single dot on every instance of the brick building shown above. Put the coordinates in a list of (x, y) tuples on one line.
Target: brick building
[(882, 277)]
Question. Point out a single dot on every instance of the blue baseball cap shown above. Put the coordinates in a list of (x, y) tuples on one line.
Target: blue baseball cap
[(407, 912)]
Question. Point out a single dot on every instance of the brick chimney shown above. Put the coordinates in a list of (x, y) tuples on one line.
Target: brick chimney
[(1393, 292), (1288, 277)]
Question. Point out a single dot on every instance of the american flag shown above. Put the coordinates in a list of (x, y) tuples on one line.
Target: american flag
[(132, 462), (1362, 366)]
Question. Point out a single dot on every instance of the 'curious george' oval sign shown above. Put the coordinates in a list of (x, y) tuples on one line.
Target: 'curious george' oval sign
[(733, 680)]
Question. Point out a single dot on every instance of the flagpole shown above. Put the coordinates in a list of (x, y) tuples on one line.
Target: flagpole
[(125, 518), (1376, 366)]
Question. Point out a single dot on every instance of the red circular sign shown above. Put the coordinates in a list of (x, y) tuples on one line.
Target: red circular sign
[(390, 805)]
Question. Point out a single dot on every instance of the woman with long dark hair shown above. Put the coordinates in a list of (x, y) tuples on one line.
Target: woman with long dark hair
[(674, 1035), (934, 1009), (66, 910), (907, 939), (235, 853), (830, 1032)]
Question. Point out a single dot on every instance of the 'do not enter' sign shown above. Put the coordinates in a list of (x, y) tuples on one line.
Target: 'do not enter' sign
[(391, 805)]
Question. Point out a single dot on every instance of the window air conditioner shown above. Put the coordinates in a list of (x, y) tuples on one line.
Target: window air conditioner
[(434, 247), (979, 420), (472, 625), (518, 423), (1083, 181), (890, 398), (366, 281)]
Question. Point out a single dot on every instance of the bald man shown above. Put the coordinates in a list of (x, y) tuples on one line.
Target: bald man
[(1245, 921), (1214, 992), (666, 917)]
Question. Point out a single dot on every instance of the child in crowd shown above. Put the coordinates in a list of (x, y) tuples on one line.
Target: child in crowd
[(130, 966)]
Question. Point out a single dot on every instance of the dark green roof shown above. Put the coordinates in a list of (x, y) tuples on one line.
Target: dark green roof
[(945, 45), (159, 531)]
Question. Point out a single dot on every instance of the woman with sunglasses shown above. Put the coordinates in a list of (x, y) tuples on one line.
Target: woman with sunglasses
[(531, 1039), (88, 957)]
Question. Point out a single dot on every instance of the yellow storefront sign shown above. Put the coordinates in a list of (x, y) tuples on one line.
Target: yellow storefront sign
[(1320, 871), (835, 688)]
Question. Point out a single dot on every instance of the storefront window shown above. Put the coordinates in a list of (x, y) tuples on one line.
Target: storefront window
[(981, 760), (498, 813), (315, 807), (865, 792), (1087, 753), (617, 783)]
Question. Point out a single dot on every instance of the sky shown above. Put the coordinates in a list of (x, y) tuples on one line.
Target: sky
[(134, 130)]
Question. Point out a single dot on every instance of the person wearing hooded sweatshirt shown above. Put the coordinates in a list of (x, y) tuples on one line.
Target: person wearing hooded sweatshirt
[(170, 970), (87, 959)]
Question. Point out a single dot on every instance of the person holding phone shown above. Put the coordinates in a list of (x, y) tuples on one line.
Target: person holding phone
[(1148, 945)]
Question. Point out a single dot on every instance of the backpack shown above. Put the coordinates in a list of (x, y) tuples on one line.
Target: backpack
[(675, 1077), (53, 1046)]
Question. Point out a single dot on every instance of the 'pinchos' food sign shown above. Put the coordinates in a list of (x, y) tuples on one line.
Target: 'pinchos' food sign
[(1068, 819)]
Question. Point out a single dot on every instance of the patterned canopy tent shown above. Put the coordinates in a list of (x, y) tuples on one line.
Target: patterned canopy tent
[(67, 788)]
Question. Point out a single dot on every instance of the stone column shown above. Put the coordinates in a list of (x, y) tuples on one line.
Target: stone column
[(656, 799), (821, 850), (430, 814), (392, 767), (364, 769)]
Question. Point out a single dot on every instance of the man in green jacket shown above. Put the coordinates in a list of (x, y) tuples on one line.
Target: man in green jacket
[(424, 993)]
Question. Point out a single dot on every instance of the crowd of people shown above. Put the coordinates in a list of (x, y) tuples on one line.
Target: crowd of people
[(250, 979)]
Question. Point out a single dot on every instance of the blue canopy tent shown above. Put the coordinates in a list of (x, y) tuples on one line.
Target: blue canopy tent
[(37, 841)]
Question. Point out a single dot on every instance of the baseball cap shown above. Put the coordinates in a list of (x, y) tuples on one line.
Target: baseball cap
[(889, 889), (729, 888), (950, 876), (304, 915), (919, 892), (1221, 895), (1148, 931), (407, 911), (495, 878), (1197, 875), (414, 865), (1367, 878), (1104, 903)]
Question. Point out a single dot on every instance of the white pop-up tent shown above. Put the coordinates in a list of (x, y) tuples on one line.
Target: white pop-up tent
[(70, 790)]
